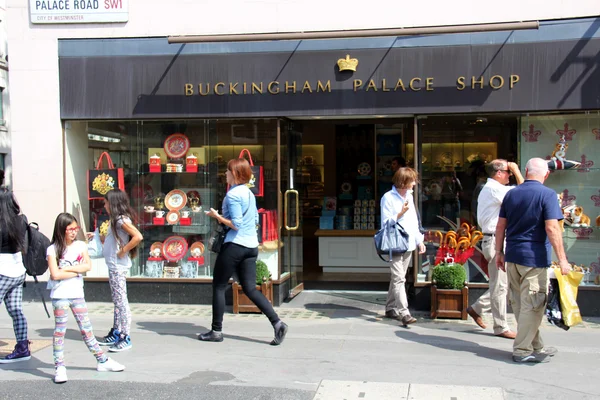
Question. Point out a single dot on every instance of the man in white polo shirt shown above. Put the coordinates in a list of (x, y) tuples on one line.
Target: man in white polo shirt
[(488, 208)]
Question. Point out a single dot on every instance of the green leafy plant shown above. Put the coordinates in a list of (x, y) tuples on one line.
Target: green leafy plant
[(449, 276), (262, 272)]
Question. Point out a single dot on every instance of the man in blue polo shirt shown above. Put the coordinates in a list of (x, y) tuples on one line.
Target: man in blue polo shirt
[(529, 218)]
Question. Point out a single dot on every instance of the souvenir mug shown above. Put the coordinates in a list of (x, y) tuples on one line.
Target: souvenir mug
[(160, 214), (185, 214)]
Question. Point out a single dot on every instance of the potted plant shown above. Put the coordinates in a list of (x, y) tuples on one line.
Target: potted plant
[(241, 302), (449, 291)]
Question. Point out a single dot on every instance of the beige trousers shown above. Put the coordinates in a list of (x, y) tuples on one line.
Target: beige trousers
[(529, 288), (496, 298), (397, 300)]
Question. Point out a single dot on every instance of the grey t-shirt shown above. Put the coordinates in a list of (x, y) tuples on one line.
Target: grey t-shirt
[(112, 246)]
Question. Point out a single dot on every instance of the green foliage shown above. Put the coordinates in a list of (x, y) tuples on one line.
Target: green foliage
[(262, 271), (449, 276)]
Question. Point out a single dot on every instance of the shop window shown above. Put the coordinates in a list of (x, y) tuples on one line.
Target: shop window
[(452, 153), (576, 180), (173, 171)]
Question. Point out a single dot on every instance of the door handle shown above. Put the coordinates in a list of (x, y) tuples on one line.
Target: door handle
[(286, 196)]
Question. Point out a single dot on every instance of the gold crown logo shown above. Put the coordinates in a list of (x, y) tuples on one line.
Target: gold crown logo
[(347, 64)]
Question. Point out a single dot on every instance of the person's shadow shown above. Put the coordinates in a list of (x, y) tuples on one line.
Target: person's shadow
[(34, 366), (187, 330), (453, 344), (342, 311)]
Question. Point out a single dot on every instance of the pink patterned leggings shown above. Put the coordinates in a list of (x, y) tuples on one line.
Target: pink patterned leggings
[(61, 315)]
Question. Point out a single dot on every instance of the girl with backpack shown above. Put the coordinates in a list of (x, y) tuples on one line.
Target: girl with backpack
[(12, 272), (67, 260), (120, 245)]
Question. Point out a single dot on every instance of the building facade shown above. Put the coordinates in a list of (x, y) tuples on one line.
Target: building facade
[(5, 137), (323, 118)]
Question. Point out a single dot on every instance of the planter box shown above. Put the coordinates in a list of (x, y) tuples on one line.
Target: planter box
[(241, 302), (449, 303)]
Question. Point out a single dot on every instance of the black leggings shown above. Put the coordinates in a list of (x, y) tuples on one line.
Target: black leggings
[(242, 260)]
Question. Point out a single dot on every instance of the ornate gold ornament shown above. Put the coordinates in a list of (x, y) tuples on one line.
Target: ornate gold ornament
[(103, 183), (347, 64)]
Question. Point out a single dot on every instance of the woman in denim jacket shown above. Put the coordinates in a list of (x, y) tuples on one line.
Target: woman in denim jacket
[(239, 252)]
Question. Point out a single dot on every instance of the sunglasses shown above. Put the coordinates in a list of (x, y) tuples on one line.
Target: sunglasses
[(73, 230)]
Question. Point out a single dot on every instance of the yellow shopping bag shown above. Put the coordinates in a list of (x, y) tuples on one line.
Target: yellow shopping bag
[(568, 296)]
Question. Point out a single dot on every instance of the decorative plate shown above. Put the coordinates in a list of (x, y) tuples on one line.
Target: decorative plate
[(156, 245), (346, 187), (175, 200), (197, 249), (174, 248), (177, 145), (173, 217), (364, 168)]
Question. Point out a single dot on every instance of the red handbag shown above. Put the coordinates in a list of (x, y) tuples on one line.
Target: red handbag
[(102, 181)]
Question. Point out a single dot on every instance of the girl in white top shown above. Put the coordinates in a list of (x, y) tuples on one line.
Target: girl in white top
[(67, 260)]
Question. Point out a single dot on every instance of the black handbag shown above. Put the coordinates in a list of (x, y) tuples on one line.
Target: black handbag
[(218, 238)]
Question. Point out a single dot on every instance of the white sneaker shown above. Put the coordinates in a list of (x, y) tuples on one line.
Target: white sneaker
[(61, 375), (110, 365)]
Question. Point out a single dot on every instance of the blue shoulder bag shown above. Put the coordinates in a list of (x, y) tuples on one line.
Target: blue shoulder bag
[(391, 239)]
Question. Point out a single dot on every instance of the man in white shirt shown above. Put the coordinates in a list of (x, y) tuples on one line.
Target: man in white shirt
[(488, 208)]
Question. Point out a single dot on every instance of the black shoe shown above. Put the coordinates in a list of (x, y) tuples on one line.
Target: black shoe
[(532, 358), (280, 332), (212, 336)]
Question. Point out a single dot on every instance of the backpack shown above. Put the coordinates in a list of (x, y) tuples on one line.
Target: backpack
[(36, 245), (34, 254)]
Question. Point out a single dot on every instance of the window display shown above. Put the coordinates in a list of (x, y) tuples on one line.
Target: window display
[(570, 143), (454, 150), (172, 171)]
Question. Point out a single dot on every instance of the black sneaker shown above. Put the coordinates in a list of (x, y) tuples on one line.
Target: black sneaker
[(211, 336), (110, 339), (536, 358), (280, 331)]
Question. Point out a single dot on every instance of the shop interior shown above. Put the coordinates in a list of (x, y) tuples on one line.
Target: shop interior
[(345, 161)]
